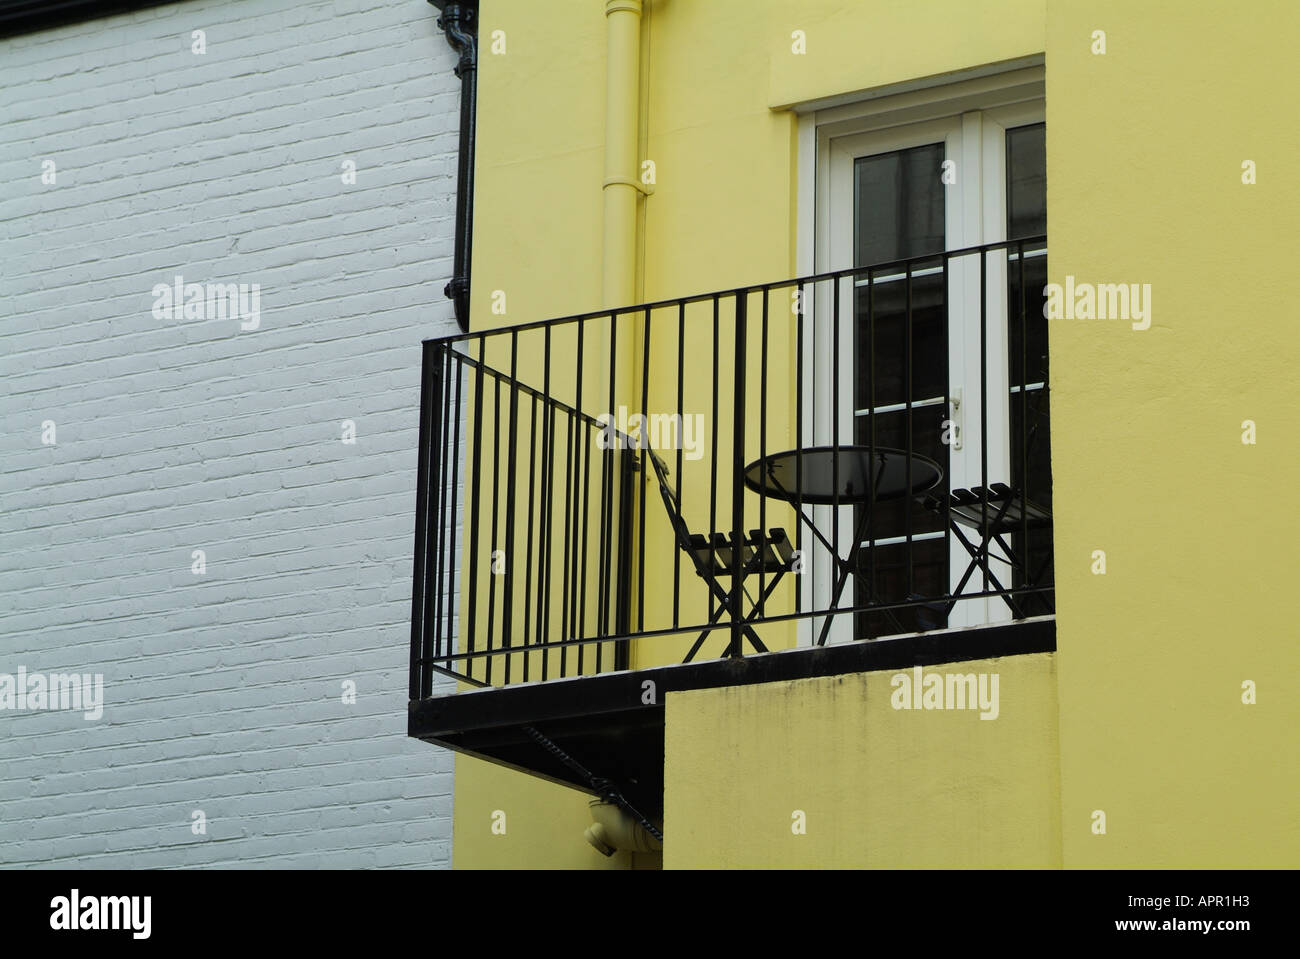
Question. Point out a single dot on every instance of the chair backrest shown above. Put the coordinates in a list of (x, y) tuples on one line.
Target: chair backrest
[(672, 501)]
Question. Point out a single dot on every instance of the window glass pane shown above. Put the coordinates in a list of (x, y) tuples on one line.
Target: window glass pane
[(884, 356), (899, 214), (1031, 471), (1026, 181), (899, 205)]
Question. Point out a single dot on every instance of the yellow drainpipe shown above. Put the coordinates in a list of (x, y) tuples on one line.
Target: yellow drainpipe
[(621, 189), (621, 185)]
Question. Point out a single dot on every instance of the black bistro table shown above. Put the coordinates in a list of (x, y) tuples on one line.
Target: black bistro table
[(842, 476)]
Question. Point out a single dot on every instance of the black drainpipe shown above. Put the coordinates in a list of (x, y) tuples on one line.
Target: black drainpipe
[(459, 21)]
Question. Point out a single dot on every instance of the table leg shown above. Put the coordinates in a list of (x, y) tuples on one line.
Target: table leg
[(847, 569)]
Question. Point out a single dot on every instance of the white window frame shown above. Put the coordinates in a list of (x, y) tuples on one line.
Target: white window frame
[(971, 118)]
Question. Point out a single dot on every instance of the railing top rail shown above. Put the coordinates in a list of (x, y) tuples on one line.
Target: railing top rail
[(635, 308)]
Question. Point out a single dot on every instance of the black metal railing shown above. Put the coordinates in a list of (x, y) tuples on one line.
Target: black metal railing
[(582, 481)]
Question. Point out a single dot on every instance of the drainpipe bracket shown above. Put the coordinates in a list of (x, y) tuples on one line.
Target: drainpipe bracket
[(644, 189)]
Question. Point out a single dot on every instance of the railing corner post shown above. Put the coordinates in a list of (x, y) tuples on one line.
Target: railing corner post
[(421, 679)]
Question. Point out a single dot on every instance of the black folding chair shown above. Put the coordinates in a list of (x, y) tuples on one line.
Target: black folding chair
[(994, 514), (713, 558)]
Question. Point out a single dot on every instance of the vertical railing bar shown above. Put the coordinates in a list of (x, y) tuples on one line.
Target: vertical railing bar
[(528, 550), (512, 512), (585, 565), (713, 475), (871, 416), (610, 580), (603, 550), (603, 553), (475, 509), (984, 413), (738, 478), (908, 390), (564, 568), (798, 442), (443, 553), (677, 476), (954, 437), (452, 592), (761, 545), (428, 514), (434, 479), (585, 481), (1024, 424), (644, 458), (496, 528), (546, 565), (622, 615), (836, 403), (565, 633), (855, 373), (575, 424)]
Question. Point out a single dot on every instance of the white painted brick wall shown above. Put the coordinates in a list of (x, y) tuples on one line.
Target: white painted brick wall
[(223, 691)]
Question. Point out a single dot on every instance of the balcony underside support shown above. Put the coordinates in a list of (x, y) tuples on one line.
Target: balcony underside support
[(613, 723)]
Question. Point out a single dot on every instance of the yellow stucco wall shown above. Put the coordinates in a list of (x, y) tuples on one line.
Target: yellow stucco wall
[(877, 786), (1145, 146), (853, 47), (537, 824), (538, 161)]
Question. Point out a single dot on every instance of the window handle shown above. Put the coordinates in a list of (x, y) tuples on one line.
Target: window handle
[(954, 425)]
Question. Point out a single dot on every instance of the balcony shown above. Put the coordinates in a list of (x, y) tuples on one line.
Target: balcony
[(813, 476)]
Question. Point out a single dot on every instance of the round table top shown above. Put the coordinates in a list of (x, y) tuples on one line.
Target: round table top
[(813, 473)]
